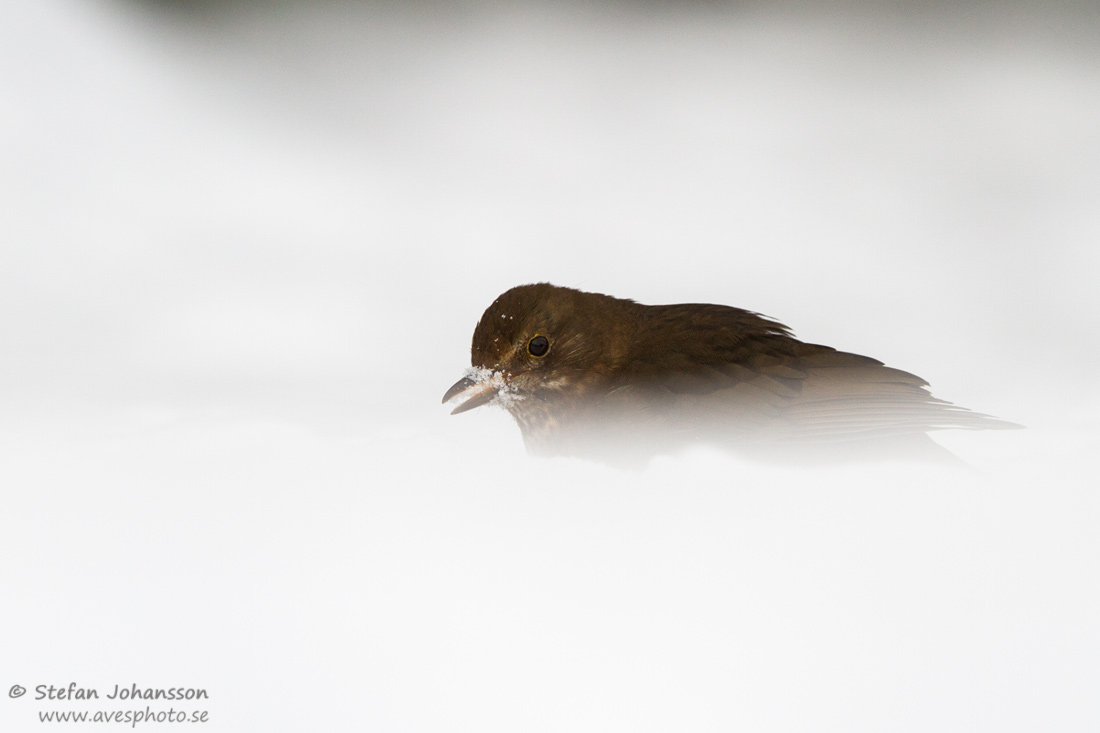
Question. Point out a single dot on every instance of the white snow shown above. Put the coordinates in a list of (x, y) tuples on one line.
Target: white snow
[(498, 380), (244, 249)]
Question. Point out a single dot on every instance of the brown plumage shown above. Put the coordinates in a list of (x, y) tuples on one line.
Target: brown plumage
[(588, 374)]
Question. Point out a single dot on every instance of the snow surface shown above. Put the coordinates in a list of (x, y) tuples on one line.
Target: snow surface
[(245, 247)]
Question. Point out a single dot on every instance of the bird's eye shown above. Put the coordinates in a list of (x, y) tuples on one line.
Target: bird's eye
[(538, 346)]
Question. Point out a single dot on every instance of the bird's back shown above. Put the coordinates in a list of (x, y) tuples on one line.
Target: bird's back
[(731, 378)]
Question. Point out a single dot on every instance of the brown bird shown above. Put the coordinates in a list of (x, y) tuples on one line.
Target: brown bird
[(591, 375)]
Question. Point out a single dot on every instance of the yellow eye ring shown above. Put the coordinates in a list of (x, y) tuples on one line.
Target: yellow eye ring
[(538, 346)]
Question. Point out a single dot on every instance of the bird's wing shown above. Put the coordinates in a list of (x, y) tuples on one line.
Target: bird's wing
[(810, 393), (845, 396)]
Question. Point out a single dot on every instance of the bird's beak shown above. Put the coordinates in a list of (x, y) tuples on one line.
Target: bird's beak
[(474, 393)]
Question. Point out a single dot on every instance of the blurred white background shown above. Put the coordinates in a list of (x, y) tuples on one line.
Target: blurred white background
[(243, 246)]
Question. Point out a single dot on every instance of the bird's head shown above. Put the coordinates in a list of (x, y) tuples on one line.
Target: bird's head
[(538, 346)]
